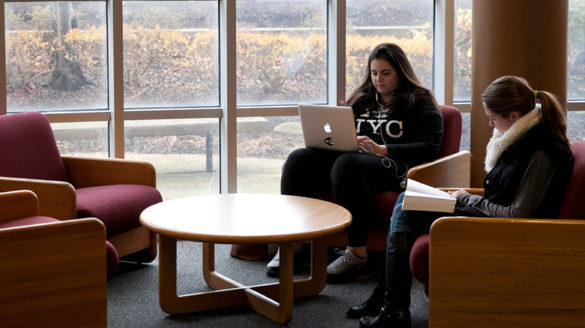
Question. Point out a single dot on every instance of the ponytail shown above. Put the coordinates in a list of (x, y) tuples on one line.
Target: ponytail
[(552, 114)]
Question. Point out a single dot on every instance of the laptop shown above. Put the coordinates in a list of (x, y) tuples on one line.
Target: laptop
[(328, 127)]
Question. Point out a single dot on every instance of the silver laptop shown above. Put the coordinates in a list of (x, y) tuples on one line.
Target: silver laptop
[(328, 127)]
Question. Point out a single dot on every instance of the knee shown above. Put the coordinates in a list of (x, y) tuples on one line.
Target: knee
[(400, 219), (299, 153), (298, 158), (345, 167)]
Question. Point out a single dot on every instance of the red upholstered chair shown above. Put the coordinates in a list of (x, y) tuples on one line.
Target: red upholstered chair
[(450, 169), (52, 272), (500, 272), (114, 191)]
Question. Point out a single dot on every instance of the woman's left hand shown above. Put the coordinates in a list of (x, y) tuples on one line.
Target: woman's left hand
[(370, 146), (456, 193)]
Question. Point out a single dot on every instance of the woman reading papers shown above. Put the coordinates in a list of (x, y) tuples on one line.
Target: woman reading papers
[(528, 164), (420, 197)]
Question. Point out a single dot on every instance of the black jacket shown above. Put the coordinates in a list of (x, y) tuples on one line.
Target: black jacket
[(502, 182), (412, 130)]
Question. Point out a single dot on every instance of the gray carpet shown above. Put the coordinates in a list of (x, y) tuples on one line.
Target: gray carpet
[(133, 295)]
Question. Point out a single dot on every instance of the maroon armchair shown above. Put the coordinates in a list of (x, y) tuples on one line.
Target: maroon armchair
[(114, 191), (501, 272)]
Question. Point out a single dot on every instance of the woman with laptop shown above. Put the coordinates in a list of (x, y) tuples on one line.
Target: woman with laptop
[(528, 163), (398, 125)]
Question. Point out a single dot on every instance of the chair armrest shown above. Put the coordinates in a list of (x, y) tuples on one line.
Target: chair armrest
[(53, 275), (18, 204), (88, 172), (56, 198), (507, 272), (448, 171), (473, 191)]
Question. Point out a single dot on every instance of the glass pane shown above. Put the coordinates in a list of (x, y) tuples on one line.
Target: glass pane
[(56, 55), (408, 23), (184, 152), (171, 54), (465, 131), (462, 51), (576, 51), (89, 139), (282, 51), (575, 124), (263, 145)]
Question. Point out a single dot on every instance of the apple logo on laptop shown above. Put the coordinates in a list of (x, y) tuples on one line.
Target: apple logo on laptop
[(327, 128)]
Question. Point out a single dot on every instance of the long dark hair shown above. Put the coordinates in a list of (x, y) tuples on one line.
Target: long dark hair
[(512, 93), (408, 83)]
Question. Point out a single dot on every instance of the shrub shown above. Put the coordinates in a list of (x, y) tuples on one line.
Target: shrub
[(28, 58), (164, 67)]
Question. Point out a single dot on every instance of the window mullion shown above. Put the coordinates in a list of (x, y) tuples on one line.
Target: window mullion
[(2, 61), (116, 78), (228, 89), (444, 51), (336, 52)]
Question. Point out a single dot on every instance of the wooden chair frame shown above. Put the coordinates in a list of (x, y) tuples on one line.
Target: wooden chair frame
[(502, 272), (53, 274)]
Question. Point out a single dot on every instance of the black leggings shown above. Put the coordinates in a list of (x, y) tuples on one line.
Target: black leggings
[(352, 177)]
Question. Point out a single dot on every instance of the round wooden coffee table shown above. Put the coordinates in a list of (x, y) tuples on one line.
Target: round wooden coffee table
[(243, 219)]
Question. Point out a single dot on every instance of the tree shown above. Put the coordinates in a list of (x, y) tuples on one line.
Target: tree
[(66, 75)]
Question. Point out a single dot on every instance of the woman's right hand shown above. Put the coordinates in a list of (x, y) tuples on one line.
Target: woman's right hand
[(371, 146)]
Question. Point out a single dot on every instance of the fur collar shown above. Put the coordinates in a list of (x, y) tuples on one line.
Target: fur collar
[(501, 141)]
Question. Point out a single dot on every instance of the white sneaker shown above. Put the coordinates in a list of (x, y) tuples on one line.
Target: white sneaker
[(345, 264), (272, 268)]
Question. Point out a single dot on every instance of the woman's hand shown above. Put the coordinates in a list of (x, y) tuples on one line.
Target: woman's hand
[(370, 146), (454, 194)]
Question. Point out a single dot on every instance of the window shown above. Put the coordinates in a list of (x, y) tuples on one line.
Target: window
[(576, 51), (171, 60), (281, 51), (56, 55), (171, 54), (462, 52), (184, 152), (89, 139), (408, 23), (263, 145), (576, 69), (575, 124), (282, 59)]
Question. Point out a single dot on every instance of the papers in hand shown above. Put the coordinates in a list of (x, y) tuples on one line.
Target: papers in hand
[(421, 197)]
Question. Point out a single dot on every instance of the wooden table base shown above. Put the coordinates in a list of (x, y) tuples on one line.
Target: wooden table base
[(274, 300)]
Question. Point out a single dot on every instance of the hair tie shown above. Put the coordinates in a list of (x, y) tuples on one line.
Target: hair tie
[(535, 94)]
